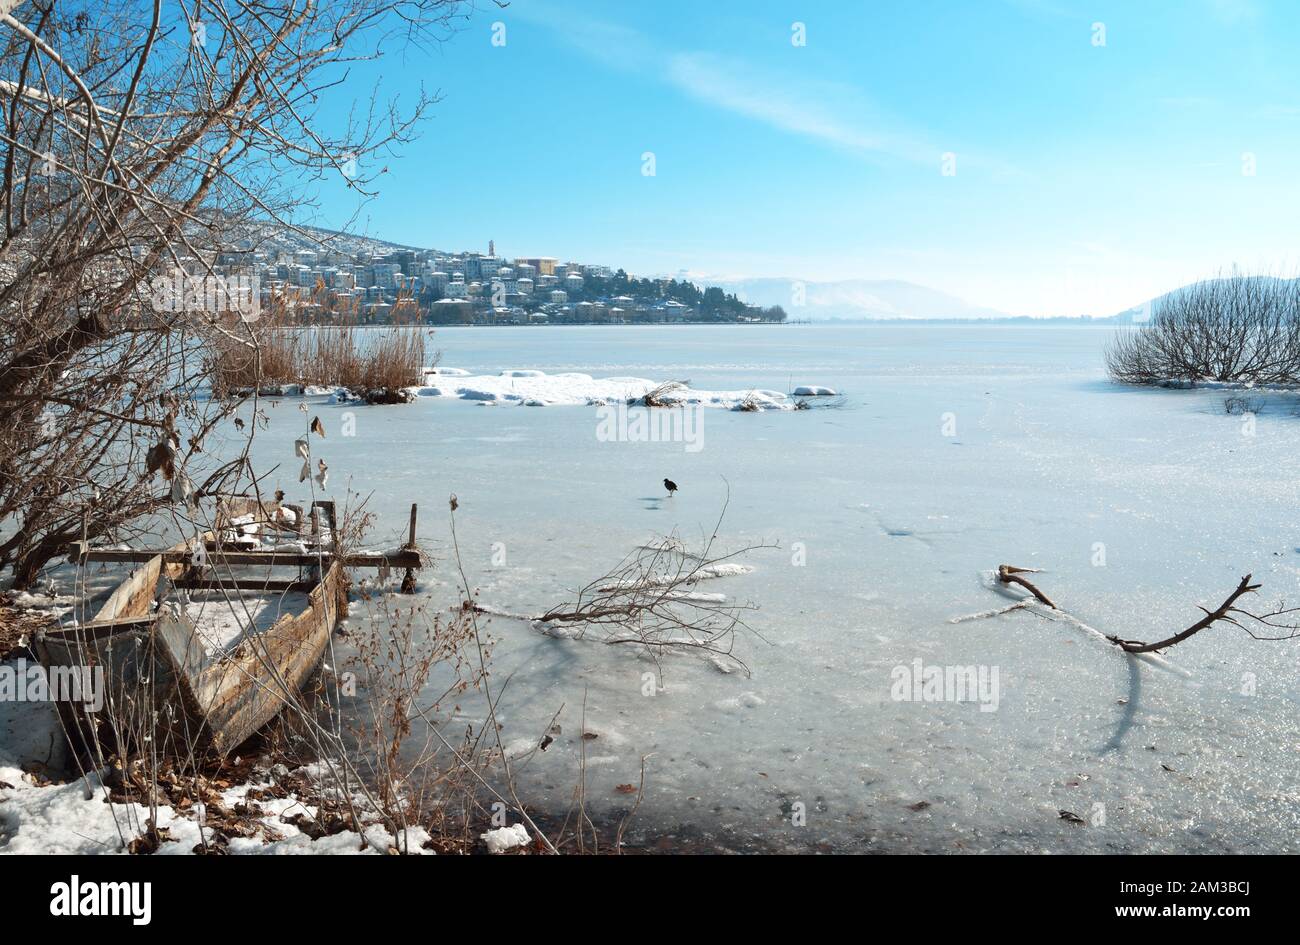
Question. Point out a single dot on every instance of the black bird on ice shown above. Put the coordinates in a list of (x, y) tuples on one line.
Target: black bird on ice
[(670, 486)]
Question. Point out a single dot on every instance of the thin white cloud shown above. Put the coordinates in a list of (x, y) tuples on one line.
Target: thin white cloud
[(1233, 11), (617, 46), (827, 112), (832, 113)]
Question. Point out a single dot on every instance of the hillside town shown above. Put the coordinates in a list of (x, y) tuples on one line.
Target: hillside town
[(379, 284)]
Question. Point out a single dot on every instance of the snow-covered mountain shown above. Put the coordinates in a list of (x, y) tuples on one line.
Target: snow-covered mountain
[(855, 299), (268, 235)]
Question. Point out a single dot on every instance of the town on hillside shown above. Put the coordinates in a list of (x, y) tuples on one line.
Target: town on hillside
[(381, 284)]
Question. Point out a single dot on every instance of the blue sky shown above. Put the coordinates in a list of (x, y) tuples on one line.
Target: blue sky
[(1088, 177)]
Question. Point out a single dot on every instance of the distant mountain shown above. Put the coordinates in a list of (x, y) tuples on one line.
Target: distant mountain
[(856, 299)]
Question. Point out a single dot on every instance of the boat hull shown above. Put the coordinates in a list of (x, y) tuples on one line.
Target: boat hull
[(163, 688)]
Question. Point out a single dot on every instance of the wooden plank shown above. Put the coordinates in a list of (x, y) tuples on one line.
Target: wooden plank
[(134, 596), (123, 622), (408, 579), (398, 559), (331, 519), (239, 694), (241, 584)]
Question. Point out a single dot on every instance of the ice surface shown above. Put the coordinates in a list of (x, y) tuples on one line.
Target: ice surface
[(956, 449)]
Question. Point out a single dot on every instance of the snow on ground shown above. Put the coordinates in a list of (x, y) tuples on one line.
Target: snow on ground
[(43, 817), (75, 818), (538, 389), (54, 604), (534, 388), (505, 839)]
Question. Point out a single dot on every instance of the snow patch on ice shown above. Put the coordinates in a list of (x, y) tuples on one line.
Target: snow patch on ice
[(504, 839), (703, 573), (519, 747), (537, 388), (746, 700), (723, 569), (698, 597)]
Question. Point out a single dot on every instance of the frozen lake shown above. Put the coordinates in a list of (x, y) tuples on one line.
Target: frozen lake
[(956, 449)]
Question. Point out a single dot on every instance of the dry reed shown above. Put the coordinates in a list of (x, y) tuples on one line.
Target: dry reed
[(275, 352)]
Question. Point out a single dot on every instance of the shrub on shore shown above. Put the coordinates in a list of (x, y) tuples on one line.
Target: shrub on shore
[(1237, 329)]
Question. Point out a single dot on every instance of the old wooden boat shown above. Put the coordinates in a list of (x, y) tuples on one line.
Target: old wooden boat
[(172, 684)]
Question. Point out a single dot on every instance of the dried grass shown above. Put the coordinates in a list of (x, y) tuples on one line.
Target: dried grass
[(361, 358), (664, 394)]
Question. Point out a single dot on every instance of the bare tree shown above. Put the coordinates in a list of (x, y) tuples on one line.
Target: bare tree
[(141, 142), (1235, 329)]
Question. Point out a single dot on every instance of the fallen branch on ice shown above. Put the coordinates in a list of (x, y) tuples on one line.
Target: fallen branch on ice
[(1010, 574), (647, 600), (1227, 612)]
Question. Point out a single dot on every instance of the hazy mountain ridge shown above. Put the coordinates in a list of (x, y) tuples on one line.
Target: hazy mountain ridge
[(845, 299), (855, 299), (1141, 313)]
